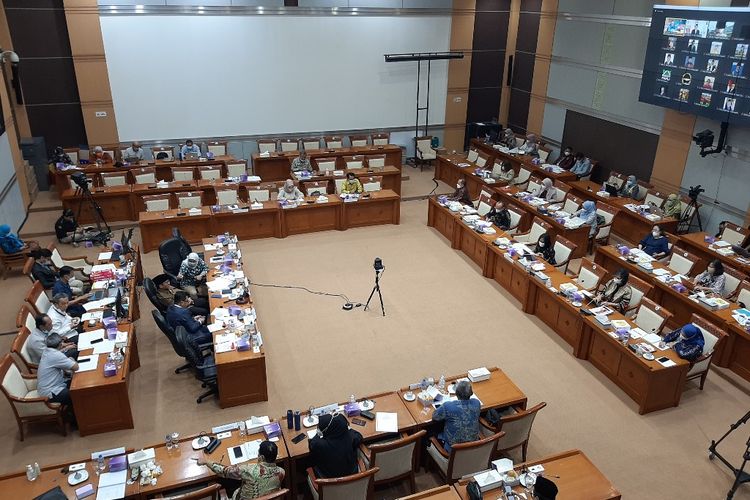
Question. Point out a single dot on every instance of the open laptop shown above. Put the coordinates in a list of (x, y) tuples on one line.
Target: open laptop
[(611, 189), (107, 293), (192, 156)]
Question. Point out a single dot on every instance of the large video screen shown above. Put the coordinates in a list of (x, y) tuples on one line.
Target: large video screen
[(696, 62)]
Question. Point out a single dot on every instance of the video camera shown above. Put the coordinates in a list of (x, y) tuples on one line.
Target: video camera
[(695, 191), (81, 180)]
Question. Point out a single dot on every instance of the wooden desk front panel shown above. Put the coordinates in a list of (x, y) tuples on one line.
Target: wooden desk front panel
[(441, 219), (193, 228), (502, 269), (633, 228), (738, 353), (115, 206), (448, 172), (475, 246), (242, 382), (372, 212), (141, 190), (311, 218), (249, 225)]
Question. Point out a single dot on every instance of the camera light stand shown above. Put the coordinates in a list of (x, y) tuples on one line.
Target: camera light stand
[(102, 227), (740, 476), (376, 288)]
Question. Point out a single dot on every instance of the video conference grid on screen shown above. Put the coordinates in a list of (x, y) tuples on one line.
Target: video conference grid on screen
[(696, 62)]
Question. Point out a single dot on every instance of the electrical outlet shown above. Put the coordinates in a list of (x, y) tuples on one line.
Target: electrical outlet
[(101, 114)]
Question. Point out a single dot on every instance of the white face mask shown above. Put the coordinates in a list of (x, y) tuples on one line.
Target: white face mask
[(655, 234), (458, 186), (541, 244), (567, 153)]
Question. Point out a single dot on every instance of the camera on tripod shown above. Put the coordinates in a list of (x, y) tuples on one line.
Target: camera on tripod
[(378, 264), (695, 191), (81, 180)]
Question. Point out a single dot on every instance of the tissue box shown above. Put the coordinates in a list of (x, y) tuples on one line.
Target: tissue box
[(84, 491), (479, 374), (352, 409), (111, 333), (118, 463), (110, 369), (272, 430), (256, 424), (243, 344), (488, 480), (141, 457)]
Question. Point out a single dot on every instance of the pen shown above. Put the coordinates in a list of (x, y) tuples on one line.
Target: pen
[(222, 458)]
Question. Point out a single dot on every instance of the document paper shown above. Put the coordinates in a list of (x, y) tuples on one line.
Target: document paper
[(386, 421)]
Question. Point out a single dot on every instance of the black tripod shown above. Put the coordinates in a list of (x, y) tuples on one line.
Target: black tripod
[(379, 268), (740, 476), (102, 227)]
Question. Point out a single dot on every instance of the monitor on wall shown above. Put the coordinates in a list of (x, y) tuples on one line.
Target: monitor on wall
[(697, 62)]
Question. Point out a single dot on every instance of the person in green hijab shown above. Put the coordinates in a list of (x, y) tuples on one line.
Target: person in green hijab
[(673, 206)]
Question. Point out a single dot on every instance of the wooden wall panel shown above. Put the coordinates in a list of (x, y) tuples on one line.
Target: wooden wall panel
[(459, 71)]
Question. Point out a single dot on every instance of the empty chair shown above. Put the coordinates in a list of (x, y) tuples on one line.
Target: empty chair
[(114, 178), (734, 234), (144, 175), (562, 190), (681, 261), (424, 153), (356, 161), (189, 199), (315, 188), (564, 250), (169, 332), (733, 279), (571, 204), (482, 160), (183, 173), (543, 153), (164, 153), (79, 263), (654, 198), (603, 230), (289, 145), (358, 141), (375, 161), (472, 155), (325, 164), (485, 202), (522, 178), (515, 424), (21, 391), (227, 195), (209, 172), (590, 275), (74, 154), (743, 294), (212, 492), (397, 459), (37, 299), (643, 188), (359, 485), (157, 202), (25, 317), (713, 337), (269, 146), (538, 228), (258, 193), (370, 184), (535, 183), (616, 179), (217, 148), (381, 139), (651, 317), (334, 142), (464, 458), (237, 168), (311, 143)]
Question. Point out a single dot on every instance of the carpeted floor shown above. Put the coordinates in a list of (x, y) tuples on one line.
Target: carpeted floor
[(442, 317)]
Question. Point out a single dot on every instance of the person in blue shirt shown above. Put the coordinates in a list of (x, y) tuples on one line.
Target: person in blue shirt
[(582, 166), (688, 342), (461, 417), (655, 244), (10, 242), (630, 188), (62, 285), (189, 147), (178, 314)]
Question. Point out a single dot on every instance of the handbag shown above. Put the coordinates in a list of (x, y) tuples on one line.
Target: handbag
[(472, 489)]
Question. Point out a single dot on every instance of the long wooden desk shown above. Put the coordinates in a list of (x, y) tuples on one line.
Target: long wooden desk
[(445, 492), (575, 476), (522, 160), (157, 226), (696, 244), (255, 223), (241, 376), (629, 225), (390, 174), (276, 166), (114, 201), (737, 354)]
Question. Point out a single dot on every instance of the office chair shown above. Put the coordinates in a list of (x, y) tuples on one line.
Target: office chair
[(203, 367), (172, 252), (167, 330), (150, 288)]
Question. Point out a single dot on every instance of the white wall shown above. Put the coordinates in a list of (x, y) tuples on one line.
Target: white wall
[(209, 76), (12, 210)]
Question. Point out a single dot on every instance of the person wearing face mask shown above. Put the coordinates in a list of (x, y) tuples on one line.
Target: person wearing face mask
[(616, 292), (499, 216), (566, 160), (134, 153), (290, 192), (672, 206), (587, 214), (506, 173), (302, 163), (189, 148), (60, 156), (333, 451), (544, 249), (688, 342), (192, 275), (36, 342), (582, 165), (546, 190), (655, 244), (461, 193), (712, 280), (508, 139), (530, 147), (62, 322), (630, 188), (351, 185)]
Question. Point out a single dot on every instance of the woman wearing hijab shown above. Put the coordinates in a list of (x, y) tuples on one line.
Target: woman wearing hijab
[(333, 451), (506, 174), (546, 190), (530, 147), (461, 193), (192, 275), (712, 280), (655, 244), (544, 249), (10, 242), (616, 292), (508, 139), (688, 342), (672, 206), (587, 214), (566, 160), (630, 189)]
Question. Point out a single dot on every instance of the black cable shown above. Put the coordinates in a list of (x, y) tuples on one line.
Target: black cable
[(435, 188), (296, 287)]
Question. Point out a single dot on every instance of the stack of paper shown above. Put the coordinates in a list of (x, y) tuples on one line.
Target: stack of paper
[(112, 485), (244, 452), (386, 421)]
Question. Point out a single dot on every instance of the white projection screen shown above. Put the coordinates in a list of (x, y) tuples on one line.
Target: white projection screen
[(221, 76)]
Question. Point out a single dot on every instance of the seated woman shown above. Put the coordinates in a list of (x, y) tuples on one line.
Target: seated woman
[(587, 213), (461, 417), (508, 139), (192, 275), (566, 159), (544, 249), (672, 206), (688, 342), (506, 173), (99, 155), (333, 451), (655, 244), (530, 147), (582, 165), (616, 292), (546, 190), (630, 188), (499, 216), (711, 280), (10, 242), (461, 193)]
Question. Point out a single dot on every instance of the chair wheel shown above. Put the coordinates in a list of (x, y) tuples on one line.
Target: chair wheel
[(711, 456), (198, 401)]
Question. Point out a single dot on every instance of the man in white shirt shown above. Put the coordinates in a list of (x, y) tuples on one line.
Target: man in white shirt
[(37, 341), (62, 322), (290, 192), (189, 148), (52, 380), (134, 153)]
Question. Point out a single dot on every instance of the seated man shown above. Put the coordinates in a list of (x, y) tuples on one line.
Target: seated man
[(566, 159), (165, 292), (688, 342), (461, 417), (582, 166), (499, 216), (134, 153), (178, 314), (192, 275), (62, 322), (461, 194), (302, 163), (37, 341), (62, 285), (60, 156), (43, 270), (290, 192), (333, 451), (189, 148), (351, 185), (257, 479), (53, 380), (655, 244), (67, 229)]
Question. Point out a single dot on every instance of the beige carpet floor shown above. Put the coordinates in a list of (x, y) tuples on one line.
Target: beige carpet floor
[(442, 317)]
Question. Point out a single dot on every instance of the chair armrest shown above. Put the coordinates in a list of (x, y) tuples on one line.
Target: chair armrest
[(313, 479), (487, 425), (364, 450), (439, 447)]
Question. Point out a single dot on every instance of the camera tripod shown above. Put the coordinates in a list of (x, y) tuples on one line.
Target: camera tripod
[(102, 227), (378, 272), (740, 476)]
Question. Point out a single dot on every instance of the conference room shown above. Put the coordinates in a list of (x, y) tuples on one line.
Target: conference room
[(352, 249)]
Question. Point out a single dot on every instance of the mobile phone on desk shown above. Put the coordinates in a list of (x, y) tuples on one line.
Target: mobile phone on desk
[(663, 359), (299, 437), (359, 421), (96, 341)]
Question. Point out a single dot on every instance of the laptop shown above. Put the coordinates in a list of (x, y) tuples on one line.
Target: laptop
[(192, 156), (107, 293), (611, 189)]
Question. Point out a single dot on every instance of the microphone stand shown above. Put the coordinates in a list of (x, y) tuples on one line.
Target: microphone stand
[(740, 476)]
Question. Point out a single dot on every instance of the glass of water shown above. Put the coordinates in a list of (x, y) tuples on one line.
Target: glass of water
[(168, 442), (242, 428)]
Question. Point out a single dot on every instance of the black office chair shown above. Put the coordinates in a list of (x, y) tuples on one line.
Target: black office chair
[(203, 366), (150, 288), (161, 322), (173, 251)]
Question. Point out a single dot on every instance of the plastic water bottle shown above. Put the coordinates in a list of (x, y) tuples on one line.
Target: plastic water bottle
[(441, 383), (352, 399), (604, 186), (37, 469), (100, 465), (30, 473)]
